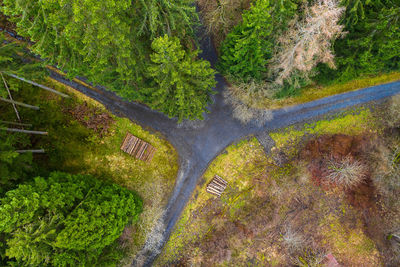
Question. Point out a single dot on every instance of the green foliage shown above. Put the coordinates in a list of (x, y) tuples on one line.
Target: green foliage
[(13, 166), (372, 44), (108, 42), (246, 49), (14, 59), (183, 85), (65, 220), (162, 17)]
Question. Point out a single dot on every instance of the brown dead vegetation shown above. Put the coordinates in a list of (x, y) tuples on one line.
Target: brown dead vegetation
[(91, 117), (220, 16)]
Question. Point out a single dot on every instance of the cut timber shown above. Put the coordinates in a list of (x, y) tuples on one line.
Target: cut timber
[(23, 131), (137, 148), (19, 103), (217, 186), (16, 123), (38, 85), (31, 151)]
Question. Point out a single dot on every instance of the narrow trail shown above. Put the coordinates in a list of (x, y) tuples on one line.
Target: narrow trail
[(199, 143)]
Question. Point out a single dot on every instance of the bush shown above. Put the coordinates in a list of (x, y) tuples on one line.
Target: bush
[(65, 220), (347, 172)]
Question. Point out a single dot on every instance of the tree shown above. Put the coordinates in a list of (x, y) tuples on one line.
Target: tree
[(14, 59), (65, 220), (183, 85), (307, 42), (108, 42), (247, 50), (372, 44), (14, 167)]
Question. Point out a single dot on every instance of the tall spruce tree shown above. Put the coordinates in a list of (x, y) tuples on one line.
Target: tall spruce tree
[(183, 85)]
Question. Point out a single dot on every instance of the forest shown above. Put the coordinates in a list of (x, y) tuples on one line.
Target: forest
[(73, 205)]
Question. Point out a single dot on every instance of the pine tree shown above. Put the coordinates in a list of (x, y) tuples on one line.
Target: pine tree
[(183, 84)]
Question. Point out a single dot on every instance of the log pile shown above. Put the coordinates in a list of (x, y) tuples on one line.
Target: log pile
[(217, 186), (137, 148)]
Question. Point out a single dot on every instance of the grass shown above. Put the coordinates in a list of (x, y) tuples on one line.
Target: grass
[(265, 199), (311, 93), (71, 147), (353, 122)]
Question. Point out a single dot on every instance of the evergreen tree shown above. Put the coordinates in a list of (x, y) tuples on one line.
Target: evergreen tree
[(108, 42), (247, 49), (183, 85), (65, 220), (14, 167), (372, 44)]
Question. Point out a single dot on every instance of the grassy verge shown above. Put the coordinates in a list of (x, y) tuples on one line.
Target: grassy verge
[(313, 93), (271, 215), (72, 146)]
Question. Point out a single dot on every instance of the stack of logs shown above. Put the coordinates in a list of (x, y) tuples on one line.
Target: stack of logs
[(137, 148), (217, 186)]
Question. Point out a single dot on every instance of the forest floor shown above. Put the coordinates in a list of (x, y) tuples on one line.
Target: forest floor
[(277, 211), (85, 138)]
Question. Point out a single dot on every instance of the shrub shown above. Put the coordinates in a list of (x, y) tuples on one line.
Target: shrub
[(293, 240), (347, 172)]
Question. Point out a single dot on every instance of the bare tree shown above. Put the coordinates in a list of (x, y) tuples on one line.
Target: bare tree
[(307, 42)]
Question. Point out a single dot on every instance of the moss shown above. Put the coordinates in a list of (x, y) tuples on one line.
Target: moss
[(353, 122)]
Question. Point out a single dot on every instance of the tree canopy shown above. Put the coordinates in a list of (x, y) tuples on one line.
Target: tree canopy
[(182, 84), (108, 42), (372, 43), (64, 220)]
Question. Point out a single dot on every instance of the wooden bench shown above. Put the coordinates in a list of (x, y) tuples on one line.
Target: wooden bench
[(137, 148), (217, 186)]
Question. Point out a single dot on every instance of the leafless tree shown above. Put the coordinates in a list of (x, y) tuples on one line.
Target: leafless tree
[(307, 42)]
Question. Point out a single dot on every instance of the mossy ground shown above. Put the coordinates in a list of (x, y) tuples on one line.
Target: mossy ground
[(266, 208), (72, 147)]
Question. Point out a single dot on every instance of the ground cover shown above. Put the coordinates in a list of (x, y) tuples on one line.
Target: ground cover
[(309, 93), (280, 212), (84, 138)]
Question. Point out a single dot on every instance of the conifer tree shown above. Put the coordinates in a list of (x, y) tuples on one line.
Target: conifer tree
[(183, 85)]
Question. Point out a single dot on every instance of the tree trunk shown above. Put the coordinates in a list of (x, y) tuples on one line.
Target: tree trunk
[(19, 103), (40, 151), (9, 94), (23, 131), (38, 85), (16, 123)]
